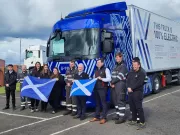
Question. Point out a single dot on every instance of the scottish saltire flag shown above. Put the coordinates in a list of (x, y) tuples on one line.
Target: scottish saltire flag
[(37, 88), (83, 87)]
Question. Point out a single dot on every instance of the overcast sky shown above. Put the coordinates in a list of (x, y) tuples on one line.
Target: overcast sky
[(32, 20)]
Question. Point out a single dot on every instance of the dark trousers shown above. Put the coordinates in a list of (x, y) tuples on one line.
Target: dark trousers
[(81, 105), (135, 102), (8, 93), (54, 103), (119, 99), (100, 98), (34, 103), (71, 102), (44, 105), (25, 100)]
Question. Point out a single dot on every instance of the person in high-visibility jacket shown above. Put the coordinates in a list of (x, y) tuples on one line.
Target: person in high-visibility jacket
[(118, 85)]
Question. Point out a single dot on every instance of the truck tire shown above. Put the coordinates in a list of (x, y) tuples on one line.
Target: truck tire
[(156, 83), (178, 82)]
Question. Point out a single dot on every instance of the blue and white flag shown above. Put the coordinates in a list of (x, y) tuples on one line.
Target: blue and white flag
[(83, 87), (37, 88)]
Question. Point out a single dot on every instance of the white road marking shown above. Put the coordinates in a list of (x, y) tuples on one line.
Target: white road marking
[(5, 96), (81, 124), (25, 116), (67, 129), (30, 124)]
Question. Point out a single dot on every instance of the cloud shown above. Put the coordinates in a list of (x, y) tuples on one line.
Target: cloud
[(10, 48), (33, 19)]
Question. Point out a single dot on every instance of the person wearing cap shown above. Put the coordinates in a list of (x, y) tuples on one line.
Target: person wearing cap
[(10, 86), (20, 78), (100, 91), (135, 82), (118, 85)]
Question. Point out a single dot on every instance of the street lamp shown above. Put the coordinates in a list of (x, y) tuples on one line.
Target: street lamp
[(19, 49)]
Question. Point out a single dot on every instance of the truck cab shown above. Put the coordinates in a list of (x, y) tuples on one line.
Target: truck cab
[(88, 34), (33, 54)]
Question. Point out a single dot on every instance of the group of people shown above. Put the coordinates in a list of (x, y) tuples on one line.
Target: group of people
[(119, 80)]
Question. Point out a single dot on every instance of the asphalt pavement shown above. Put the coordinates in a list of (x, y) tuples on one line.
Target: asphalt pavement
[(162, 112)]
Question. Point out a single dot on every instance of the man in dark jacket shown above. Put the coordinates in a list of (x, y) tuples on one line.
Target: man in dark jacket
[(118, 85), (135, 82), (81, 100), (20, 78), (70, 101), (100, 91), (10, 86)]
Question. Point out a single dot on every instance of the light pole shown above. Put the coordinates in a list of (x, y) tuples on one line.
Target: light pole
[(19, 50)]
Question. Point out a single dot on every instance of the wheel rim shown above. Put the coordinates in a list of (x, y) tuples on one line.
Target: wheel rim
[(156, 84)]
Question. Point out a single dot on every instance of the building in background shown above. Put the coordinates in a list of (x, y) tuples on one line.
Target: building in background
[(2, 68)]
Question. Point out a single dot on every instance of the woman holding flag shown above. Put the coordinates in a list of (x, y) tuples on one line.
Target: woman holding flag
[(45, 74), (36, 72), (57, 89)]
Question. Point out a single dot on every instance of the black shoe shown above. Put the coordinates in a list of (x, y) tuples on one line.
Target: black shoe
[(14, 108), (115, 117), (77, 117), (5, 108), (83, 118), (119, 121), (67, 112), (22, 108), (74, 114)]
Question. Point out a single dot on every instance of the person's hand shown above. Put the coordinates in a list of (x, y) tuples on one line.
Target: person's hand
[(57, 79), (7, 85), (99, 78), (73, 81), (130, 90), (68, 84), (112, 86)]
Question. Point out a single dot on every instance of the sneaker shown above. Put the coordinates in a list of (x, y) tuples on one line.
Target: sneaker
[(67, 112), (5, 108), (32, 110), (141, 126), (132, 123), (22, 108), (36, 109), (53, 112)]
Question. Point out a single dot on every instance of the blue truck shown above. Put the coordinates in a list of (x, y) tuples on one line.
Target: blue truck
[(102, 31)]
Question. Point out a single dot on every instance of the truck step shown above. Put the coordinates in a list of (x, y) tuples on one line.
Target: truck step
[(175, 80)]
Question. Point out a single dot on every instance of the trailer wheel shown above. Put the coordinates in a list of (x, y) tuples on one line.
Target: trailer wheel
[(156, 84), (178, 82)]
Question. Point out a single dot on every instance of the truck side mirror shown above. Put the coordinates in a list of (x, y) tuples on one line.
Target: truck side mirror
[(47, 49), (107, 46)]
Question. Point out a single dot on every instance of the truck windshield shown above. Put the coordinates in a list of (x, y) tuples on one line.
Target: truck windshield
[(77, 43), (29, 54)]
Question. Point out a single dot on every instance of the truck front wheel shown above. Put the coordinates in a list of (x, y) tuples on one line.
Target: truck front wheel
[(156, 83)]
